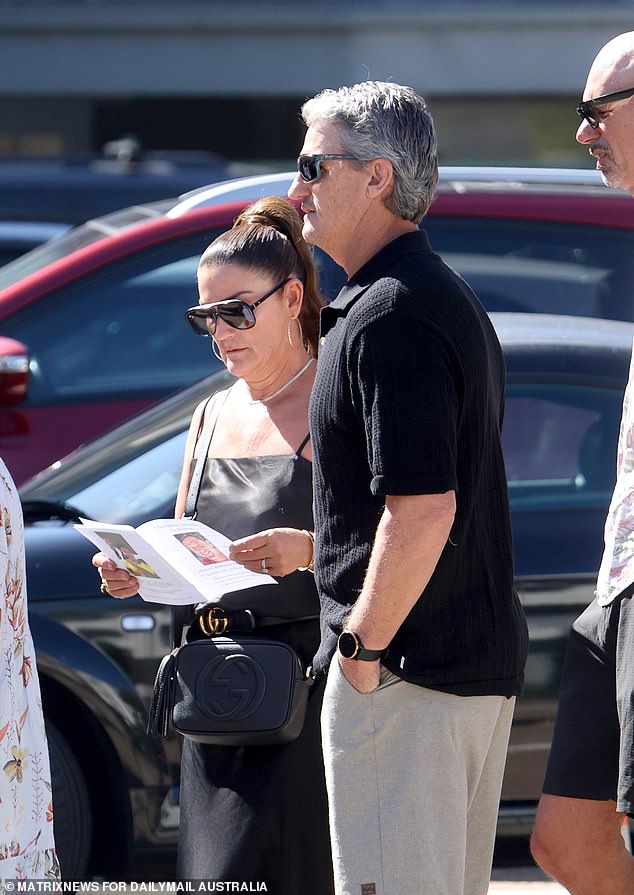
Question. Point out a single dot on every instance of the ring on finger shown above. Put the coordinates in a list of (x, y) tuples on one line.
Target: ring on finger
[(104, 588), (263, 565)]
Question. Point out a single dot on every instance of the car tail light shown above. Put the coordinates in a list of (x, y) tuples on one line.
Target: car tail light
[(14, 371)]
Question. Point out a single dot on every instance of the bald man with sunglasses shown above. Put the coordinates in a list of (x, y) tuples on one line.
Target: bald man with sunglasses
[(589, 787)]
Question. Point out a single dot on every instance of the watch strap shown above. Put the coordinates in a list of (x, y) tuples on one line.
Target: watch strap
[(360, 653), (369, 655)]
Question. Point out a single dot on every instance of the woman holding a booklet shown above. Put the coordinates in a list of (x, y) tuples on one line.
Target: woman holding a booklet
[(257, 813)]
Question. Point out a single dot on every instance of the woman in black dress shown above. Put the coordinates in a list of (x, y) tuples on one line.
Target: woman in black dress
[(258, 813)]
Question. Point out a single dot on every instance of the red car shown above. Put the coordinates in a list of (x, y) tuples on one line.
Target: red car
[(92, 326)]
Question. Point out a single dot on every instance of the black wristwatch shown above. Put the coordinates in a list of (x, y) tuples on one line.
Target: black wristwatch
[(351, 647)]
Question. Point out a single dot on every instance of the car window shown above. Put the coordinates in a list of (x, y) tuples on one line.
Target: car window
[(331, 276), (560, 442), (540, 267), (131, 473), (141, 489), (78, 238), (120, 332), (560, 445)]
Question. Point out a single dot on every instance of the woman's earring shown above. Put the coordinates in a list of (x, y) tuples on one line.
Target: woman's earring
[(301, 332), (301, 336), (216, 350)]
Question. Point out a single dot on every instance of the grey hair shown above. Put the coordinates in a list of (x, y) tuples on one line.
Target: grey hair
[(379, 119)]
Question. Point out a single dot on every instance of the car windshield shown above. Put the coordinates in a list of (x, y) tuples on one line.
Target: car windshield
[(130, 474), (80, 237)]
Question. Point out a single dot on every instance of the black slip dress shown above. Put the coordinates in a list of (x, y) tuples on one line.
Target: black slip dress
[(259, 813)]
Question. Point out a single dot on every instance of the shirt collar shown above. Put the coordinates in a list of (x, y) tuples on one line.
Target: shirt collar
[(409, 243)]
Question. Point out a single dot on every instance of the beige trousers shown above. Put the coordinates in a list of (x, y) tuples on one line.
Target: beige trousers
[(414, 779)]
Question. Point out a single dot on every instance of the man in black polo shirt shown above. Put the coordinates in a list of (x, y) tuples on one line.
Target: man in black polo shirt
[(413, 552)]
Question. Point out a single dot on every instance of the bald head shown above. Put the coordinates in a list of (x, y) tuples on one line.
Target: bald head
[(607, 128), (613, 67)]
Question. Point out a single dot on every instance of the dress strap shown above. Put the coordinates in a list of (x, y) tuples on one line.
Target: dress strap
[(303, 445)]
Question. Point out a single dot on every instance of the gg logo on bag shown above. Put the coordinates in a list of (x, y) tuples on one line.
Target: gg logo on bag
[(230, 687)]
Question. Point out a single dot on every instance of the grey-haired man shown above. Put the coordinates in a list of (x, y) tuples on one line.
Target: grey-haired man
[(423, 637)]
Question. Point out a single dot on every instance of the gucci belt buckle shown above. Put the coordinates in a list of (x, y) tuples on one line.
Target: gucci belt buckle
[(213, 622)]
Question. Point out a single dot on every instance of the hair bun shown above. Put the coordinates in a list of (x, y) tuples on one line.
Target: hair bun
[(275, 212)]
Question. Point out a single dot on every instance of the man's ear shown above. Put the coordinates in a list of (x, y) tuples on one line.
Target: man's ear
[(381, 179)]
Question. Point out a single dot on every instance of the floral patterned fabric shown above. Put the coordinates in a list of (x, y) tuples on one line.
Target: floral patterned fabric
[(27, 849), (617, 566)]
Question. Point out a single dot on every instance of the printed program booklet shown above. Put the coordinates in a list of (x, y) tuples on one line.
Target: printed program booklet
[(177, 561)]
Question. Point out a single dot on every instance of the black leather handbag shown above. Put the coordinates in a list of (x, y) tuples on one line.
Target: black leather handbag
[(228, 690), (231, 691)]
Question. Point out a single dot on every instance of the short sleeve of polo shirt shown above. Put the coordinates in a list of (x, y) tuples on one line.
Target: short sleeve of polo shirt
[(404, 386)]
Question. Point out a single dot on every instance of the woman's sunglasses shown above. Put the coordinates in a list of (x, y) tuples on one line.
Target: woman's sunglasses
[(203, 319), (309, 166)]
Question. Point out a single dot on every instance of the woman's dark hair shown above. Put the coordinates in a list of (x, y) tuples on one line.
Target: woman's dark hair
[(267, 237)]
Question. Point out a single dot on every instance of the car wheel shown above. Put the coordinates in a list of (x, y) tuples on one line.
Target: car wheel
[(71, 808)]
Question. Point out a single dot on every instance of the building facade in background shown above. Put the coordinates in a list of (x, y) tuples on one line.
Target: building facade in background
[(502, 78)]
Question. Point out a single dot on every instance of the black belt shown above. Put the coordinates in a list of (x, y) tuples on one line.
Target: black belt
[(214, 621)]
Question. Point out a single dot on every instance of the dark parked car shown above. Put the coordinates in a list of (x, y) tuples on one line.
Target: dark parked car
[(116, 788), (76, 187), (95, 318)]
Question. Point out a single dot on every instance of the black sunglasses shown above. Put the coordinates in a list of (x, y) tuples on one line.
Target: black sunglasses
[(309, 166), (587, 111), (203, 319)]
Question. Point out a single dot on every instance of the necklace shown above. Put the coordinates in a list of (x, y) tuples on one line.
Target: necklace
[(285, 386)]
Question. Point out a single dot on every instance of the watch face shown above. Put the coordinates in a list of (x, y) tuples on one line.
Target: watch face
[(348, 644)]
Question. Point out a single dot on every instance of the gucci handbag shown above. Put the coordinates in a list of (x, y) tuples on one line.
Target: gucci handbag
[(228, 690), (231, 691)]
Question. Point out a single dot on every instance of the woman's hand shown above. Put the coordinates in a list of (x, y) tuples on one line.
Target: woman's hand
[(117, 582), (277, 551)]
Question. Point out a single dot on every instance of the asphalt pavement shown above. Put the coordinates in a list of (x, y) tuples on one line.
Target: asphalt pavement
[(522, 880), (529, 887), (515, 873)]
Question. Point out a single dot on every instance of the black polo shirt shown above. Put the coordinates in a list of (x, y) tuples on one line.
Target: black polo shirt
[(409, 399)]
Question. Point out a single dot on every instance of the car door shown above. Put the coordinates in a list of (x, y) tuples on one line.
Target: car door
[(560, 439)]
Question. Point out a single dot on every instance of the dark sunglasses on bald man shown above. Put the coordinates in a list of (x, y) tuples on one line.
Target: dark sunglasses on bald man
[(203, 319), (588, 112), (309, 166)]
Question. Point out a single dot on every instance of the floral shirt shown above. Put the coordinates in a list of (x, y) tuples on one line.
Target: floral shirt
[(617, 566), (26, 816)]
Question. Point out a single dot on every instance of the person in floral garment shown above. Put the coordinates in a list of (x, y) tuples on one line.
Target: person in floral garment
[(27, 848)]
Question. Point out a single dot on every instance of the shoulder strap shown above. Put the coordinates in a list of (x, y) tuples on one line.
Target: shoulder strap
[(182, 615), (303, 445), (205, 442)]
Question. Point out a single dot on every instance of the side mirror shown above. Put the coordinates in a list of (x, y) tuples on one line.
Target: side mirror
[(14, 371)]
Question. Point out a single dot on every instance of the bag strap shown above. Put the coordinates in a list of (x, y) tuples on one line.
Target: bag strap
[(195, 482), (182, 615)]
